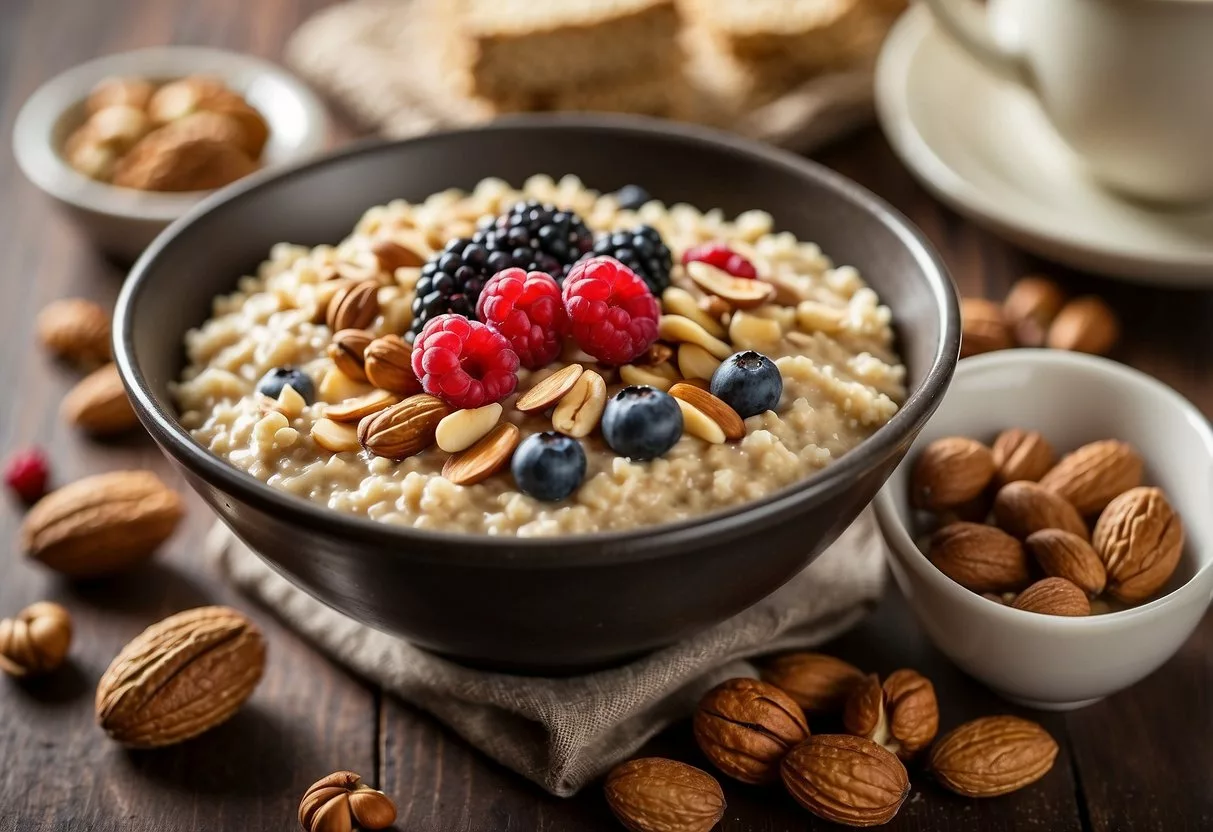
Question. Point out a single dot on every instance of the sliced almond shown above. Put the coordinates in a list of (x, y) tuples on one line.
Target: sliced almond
[(485, 458), (335, 436), (464, 428), (581, 408), (751, 332), (686, 331), (738, 292), (696, 362), (352, 410), (729, 420), (697, 423), (678, 301), (337, 387), (632, 374), (549, 391)]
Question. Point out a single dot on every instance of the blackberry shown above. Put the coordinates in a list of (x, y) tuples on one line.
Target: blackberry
[(642, 250), (529, 236)]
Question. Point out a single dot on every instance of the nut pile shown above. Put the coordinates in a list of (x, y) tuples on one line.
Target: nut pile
[(191, 134), (757, 732), (1036, 313), (1039, 552)]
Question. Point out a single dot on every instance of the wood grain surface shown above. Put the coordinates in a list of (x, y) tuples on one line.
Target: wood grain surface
[(1142, 760)]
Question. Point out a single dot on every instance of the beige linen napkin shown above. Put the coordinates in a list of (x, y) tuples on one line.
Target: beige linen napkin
[(564, 732)]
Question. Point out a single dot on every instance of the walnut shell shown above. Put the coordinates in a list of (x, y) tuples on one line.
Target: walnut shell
[(1022, 507), (949, 472), (1093, 475), (902, 715), (979, 558), (1140, 539), (847, 780), (818, 683), (652, 794), (36, 641), (180, 677), (745, 726), (993, 755), (1061, 554), (341, 802), (1021, 455)]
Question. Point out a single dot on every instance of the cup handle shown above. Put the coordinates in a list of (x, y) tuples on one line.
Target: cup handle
[(968, 25)]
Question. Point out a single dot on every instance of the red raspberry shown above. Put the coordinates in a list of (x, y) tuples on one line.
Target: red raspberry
[(26, 474), (612, 313), (527, 309), (722, 257), (463, 362)]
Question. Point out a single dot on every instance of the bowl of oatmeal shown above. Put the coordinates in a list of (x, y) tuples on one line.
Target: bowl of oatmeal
[(543, 394)]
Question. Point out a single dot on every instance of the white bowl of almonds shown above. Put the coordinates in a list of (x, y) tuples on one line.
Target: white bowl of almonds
[(127, 143), (1050, 526)]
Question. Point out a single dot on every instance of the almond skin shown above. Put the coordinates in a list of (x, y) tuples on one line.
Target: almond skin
[(1021, 455), (818, 683), (75, 330), (36, 640), (979, 558), (982, 328), (1140, 539), (1062, 554), (348, 349), (652, 794), (403, 429), (1085, 324), (949, 472), (1030, 307), (847, 780), (1023, 507), (354, 307), (1053, 596), (341, 801), (993, 755), (745, 727), (1095, 474), (901, 715), (388, 364), (98, 404)]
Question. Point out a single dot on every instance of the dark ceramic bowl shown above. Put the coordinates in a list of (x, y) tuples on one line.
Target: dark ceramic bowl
[(556, 604)]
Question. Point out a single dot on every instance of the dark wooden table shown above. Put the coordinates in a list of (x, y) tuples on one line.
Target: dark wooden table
[(1142, 760)]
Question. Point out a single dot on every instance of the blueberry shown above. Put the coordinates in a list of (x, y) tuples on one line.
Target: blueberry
[(631, 197), (641, 422), (748, 382), (548, 466), (271, 383)]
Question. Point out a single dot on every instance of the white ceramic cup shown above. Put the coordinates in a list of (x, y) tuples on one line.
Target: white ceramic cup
[(1127, 83)]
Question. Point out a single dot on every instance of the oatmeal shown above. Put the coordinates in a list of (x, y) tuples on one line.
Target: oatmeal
[(674, 362)]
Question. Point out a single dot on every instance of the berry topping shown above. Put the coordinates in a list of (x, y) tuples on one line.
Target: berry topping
[(529, 236), (722, 257), (26, 474), (464, 362), (748, 382), (631, 197), (641, 422), (527, 308), (548, 466), (642, 250), (612, 314), (271, 383)]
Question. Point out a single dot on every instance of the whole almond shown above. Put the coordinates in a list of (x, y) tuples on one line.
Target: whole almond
[(745, 727), (1021, 455), (348, 349), (714, 408), (847, 780), (1030, 307), (993, 755), (1061, 554), (168, 160), (354, 307), (485, 458), (949, 472), (388, 364), (403, 429), (393, 255), (98, 404), (1053, 596), (979, 558), (1085, 324), (1140, 539), (75, 329), (1092, 476), (982, 328), (901, 715), (180, 677), (652, 794), (101, 524), (1023, 507), (341, 801), (816, 682)]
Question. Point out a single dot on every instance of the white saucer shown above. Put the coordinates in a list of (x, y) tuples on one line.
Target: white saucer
[(982, 145)]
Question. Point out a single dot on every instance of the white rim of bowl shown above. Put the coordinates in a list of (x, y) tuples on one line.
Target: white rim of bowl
[(898, 536), (34, 129)]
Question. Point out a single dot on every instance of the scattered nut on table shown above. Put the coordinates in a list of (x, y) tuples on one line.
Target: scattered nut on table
[(36, 640)]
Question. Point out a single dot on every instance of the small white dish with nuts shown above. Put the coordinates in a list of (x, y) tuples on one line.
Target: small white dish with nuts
[(1083, 595), (123, 220)]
